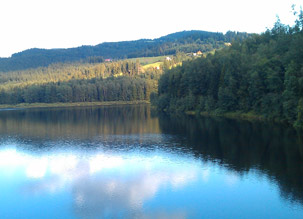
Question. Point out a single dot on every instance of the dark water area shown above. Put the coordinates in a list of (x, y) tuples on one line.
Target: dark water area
[(130, 162)]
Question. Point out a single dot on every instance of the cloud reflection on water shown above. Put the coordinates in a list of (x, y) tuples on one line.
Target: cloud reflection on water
[(102, 183)]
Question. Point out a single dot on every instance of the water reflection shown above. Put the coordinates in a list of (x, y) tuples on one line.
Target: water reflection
[(112, 182), (125, 162), (78, 122), (274, 150)]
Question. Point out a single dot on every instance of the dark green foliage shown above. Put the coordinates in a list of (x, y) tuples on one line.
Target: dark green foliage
[(186, 41), (262, 74), (114, 81), (111, 89)]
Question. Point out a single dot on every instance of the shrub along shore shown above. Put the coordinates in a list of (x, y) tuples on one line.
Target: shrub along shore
[(53, 105)]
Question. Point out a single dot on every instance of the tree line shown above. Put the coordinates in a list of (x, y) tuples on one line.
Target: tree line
[(77, 82), (69, 71), (262, 74)]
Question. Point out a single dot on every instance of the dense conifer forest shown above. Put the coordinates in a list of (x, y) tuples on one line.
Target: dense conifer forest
[(261, 75), (78, 82), (124, 80)]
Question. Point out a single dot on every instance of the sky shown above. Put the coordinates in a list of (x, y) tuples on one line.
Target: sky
[(71, 23)]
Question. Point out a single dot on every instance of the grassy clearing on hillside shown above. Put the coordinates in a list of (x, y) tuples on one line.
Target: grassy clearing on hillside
[(148, 60), (153, 65)]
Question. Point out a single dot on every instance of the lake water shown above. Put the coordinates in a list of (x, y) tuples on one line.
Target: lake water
[(128, 162)]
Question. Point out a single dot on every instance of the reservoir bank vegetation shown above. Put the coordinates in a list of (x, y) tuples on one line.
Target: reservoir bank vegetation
[(258, 76), (98, 73)]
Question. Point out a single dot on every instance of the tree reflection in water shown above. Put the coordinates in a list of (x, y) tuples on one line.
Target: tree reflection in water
[(115, 160)]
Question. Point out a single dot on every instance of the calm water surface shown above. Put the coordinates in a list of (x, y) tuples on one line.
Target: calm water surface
[(126, 162)]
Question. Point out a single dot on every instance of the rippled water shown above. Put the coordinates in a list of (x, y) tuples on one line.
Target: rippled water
[(126, 162)]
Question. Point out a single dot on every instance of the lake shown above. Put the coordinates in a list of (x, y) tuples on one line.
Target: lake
[(130, 162)]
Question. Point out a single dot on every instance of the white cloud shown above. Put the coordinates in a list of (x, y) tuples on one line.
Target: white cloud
[(126, 182), (101, 161), (36, 167)]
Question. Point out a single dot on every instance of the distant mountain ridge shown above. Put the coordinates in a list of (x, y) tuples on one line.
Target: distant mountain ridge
[(185, 41)]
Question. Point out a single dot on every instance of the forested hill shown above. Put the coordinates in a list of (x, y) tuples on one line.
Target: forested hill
[(186, 41), (124, 80), (262, 75)]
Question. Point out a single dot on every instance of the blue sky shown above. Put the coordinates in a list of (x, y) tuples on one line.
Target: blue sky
[(71, 23)]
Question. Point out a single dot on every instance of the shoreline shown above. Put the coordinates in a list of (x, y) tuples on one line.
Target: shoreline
[(72, 104), (250, 116), (238, 115)]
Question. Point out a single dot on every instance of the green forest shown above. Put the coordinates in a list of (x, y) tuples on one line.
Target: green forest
[(124, 80), (261, 75), (185, 41), (100, 73), (114, 81)]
